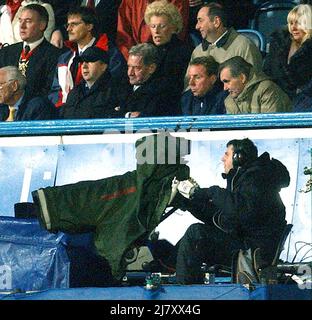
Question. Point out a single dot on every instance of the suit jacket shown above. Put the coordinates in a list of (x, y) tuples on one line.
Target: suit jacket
[(41, 67), (10, 28), (39, 108), (152, 98)]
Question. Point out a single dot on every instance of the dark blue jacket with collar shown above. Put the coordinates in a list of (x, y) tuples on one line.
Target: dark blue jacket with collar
[(211, 103)]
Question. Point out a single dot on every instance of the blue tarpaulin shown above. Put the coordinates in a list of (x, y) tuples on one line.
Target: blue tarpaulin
[(31, 258)]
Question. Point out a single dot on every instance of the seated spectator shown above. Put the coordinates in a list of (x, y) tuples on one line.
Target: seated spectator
[(205, 95), (106, 11), (95, 96), (289, 60), (9, 20), (147, 96), (234, 11), (131, 27), (82, 27), (220, 41), (15, 105), (303, 101), (165, 22), (35, 56), (250, 91)]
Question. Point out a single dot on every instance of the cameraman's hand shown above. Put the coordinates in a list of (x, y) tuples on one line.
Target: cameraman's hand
[(187, 187)]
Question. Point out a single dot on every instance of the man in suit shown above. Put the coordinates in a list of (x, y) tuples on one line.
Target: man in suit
[(35, 56), (15, 105), (148, 94)]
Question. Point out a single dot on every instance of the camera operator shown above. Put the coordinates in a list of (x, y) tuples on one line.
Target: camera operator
[(248, 213)]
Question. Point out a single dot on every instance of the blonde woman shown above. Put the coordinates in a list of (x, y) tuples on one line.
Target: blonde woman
[(9, 20), (289, 60), (131, 27), (165, 22)]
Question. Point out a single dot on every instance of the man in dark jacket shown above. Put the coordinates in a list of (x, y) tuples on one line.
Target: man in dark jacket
[(248, 213), (95, 96), (83, 32), (206, 95), (35, 56), (148, 94), (15, 105), (105, 9)]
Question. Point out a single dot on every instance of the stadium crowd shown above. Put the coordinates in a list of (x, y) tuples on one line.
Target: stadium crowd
[(142, 58)]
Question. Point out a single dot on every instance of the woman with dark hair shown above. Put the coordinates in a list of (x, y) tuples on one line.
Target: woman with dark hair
[(289, 61)]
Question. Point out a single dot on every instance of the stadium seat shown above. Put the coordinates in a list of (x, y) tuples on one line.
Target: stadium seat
[(271, 16), (256, 37)]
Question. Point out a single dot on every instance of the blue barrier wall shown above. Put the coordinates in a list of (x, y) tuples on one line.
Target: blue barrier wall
[(46, 153)]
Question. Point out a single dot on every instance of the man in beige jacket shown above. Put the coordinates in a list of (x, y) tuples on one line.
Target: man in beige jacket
[(250, 91), (221, 41)]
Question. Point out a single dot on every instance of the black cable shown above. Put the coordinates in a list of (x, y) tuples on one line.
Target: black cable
[(298, 250)]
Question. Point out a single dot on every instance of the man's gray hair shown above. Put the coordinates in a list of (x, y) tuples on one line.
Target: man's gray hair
[(237, 66), (13, 73), (147, 51)]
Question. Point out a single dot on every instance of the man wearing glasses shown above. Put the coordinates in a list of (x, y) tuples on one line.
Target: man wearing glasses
[(15, 105), (82, 29), (106, 11)]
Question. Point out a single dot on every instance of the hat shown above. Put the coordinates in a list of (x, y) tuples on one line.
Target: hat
[(93, 54)]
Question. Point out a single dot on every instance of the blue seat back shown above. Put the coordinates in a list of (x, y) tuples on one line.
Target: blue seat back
[(271, 16), (256, 37)]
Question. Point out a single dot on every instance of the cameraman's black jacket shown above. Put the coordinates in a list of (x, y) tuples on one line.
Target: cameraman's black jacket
[(250, 208)]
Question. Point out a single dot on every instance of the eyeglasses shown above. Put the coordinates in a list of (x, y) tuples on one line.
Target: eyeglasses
[(73, 24), (3, 83), (160, 26)]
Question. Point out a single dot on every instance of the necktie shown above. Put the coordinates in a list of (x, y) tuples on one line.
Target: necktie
[(23, 62), (91, 4), (26, 49), (12, 110), (75, 70)]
